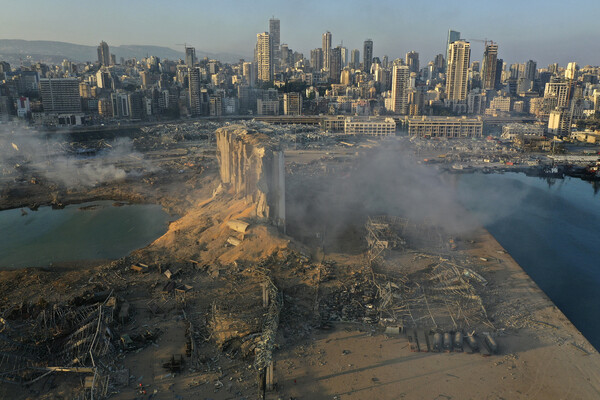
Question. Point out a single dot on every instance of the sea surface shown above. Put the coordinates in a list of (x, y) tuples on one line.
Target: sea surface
[(551, 227), (89, 231)]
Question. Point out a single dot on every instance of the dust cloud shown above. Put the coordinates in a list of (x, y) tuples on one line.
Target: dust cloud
[(387, 180), (54, 158)]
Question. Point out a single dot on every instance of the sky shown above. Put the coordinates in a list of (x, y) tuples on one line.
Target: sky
[(545, 31)]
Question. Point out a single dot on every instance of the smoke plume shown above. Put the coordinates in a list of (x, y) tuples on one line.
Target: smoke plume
[(54, 158)]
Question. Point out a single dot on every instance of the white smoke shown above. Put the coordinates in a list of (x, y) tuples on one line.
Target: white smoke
[(52, 158)]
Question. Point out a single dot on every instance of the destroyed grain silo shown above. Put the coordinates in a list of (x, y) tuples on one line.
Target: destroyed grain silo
[(253, 165)]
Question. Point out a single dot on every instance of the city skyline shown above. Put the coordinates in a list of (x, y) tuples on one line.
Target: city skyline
[(545, 34)]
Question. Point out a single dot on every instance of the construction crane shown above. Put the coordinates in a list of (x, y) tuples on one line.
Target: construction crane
[(482, 41)]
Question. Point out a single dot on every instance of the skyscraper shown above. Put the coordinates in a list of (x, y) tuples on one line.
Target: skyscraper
[(367, 55), (530, 70), (344, 51), (453, 36), (264, 61), (498, 78), (326, 49), (385, 61), (248, 73), (190, 56), (316, 59), (335, 65), (439, 62), (459, 57), (274, 33), (194, 95), (104, 79), (571, 71), (400, 81), (103, 54), (355, 59), (412, 60), (488, 71), (284, 56)]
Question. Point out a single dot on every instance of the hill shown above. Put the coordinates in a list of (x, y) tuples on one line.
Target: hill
[(12, 50)]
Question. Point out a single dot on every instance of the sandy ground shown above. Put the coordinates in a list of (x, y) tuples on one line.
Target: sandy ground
[(549, 360)]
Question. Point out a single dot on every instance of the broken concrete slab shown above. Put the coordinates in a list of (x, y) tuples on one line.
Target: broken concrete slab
[(238, 225)]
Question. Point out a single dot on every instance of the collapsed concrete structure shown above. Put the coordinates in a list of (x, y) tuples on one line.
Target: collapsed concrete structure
[(253, 164)]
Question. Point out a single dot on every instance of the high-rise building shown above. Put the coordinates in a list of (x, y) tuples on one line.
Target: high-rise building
[(530, 70), (190, 56), (498, 78), (120, 104), (326, 50), (558, 94), (145, 78), (490, 63), (367, 55), (194, 95), (571, 71), (136, 107), (344, 51), (316, 59), (284, 56), (60, 95), (453, 36), (400, 83), (274, 33), (439, 63), (248, 73), (4, 67), (412, 60), (559, 122), (292, 103), (264, 60), (103, 54), (355, 59), (459, 58), (335, 66), (346, 77), (104, 79)]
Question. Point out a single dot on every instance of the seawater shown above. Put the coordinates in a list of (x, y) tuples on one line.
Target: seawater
[(89, 231), (551, 227)]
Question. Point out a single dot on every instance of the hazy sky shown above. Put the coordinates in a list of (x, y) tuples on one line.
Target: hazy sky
[(545, 31)]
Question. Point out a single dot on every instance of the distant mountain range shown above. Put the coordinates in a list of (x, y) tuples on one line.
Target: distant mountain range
[(13, 50)]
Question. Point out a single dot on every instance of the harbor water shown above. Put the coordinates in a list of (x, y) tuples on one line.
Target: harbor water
[(551, 227), (90, 231)]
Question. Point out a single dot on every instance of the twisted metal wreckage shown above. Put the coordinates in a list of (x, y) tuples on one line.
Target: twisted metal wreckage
[(76, 339), (444, 295)]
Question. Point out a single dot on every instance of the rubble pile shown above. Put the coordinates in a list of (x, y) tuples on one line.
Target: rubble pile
[(235, 330), (39, 339)]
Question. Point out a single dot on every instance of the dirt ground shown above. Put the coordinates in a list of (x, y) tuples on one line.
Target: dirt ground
[(549, 359), (202, 299)]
